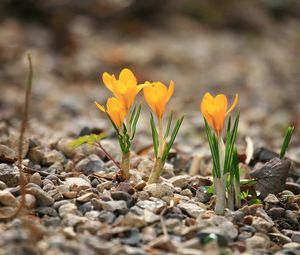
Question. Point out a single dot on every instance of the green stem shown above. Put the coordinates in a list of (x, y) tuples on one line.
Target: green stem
[(156, 171), (231, 197), (161, 142), (237, 192), (125, 165), (220, 190)]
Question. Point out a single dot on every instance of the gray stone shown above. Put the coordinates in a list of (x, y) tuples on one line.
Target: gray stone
[(257, 242), (48, 187), (56, 168), (225, 227), (72, 220), (77, 181), (58, 204), (107, 217), (30, 201), (187, 193), (105, 186), (279, 238), (53, 156), (114, 206), (192, 209), (155, 205), (67, 209), (291, 245), (276, 212), (261, 225), (272, 199), (86, 207), (36, 179), (92, 215), (7, 155), (13, 143), (46, 210), (90, 165), (134, 220), (2, 185), (43, 199), (7, 199), (36, 155), (7, 212), (9, 174), (180, 181), (296, 237), (120, 195), (159, 190)]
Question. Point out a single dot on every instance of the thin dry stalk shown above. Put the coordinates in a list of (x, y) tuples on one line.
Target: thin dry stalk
[(22, 132), (108, 155), (162, 222)]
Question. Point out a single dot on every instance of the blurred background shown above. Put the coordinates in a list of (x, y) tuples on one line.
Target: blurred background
[(247, 47)]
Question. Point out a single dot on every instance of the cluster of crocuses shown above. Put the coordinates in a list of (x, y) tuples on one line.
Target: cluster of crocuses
[(124, 117), (224, 156)]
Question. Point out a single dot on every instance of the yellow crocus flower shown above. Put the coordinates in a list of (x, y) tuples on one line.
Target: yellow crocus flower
[(125, 88), (157, 96), (115, 109), (215, 110)]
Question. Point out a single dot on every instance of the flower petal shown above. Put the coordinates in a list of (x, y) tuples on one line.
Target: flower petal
[(221, 103), (126, 75), (108, 81), (233, 104), (170, 91), (101, 107)]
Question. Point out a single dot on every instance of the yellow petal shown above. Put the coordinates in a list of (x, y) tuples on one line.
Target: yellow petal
[(126, 75), (101, 107), (108, 81), (221, 103), (141, 86), (170, 91), (233, 104), (114, 104)]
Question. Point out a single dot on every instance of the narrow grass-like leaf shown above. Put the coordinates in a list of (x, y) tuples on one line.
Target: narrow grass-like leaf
[(172, 139), (132, 116), (133, 123), (214, 150), (169, 125), (89, 139), (286, 141), (154, 135)]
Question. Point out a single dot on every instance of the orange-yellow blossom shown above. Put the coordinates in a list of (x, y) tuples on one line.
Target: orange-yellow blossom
[(157, 96), (215, 110), (125, 88), (115, 109)]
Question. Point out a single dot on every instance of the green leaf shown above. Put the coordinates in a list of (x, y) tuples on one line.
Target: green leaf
[(172, 139), (213, 144), (244, 194), (209, 189), (286, 141), (134, 120), (255, 201), (248, 182), (154, 135), (230, 146), (169, 125), (132, 115), (89, 139)]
